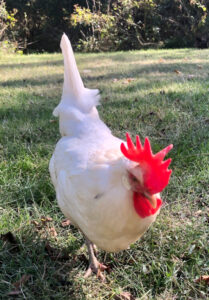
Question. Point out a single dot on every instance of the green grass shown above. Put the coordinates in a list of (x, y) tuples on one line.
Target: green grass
[(159, 103)]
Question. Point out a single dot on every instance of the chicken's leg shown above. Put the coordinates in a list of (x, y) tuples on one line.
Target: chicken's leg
[(94, 265)]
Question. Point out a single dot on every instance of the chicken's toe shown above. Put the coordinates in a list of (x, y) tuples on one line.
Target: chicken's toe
[(96, 268)]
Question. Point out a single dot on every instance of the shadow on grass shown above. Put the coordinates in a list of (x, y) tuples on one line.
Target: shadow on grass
[(56, 268), (160, 69), (48, 266), (30, 123), (39, 81), (32, 64), (136, 71), (163, 53), (137, 56)]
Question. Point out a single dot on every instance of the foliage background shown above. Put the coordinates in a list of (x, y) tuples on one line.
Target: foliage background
[(98, 25)]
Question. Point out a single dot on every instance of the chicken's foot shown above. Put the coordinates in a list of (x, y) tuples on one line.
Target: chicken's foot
[(94, 265)]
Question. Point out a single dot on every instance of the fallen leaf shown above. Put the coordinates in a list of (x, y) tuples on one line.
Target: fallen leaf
[(161, 60), (204, 278), (34, 222), (124, 296), (65, 223), (20, 282), (128, 80), (177, 72), (53, 232), (131, 261), (46, 219), (37, 225), (198, 213)]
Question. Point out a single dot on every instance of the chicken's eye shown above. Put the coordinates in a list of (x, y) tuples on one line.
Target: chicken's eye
[(133, 178)]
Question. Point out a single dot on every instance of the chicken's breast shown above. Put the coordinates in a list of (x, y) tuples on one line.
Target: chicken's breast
[(89, 182)]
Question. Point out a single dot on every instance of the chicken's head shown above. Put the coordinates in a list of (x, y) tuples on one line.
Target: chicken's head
[(149, 177)]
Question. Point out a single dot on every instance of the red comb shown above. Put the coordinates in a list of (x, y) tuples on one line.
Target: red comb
[(155, 171)]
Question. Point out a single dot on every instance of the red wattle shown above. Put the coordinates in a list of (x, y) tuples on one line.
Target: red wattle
[(143, 207)]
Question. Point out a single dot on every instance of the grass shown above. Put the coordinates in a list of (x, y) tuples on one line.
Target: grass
[(162, 94)]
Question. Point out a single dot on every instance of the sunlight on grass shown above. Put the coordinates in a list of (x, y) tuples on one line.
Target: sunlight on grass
[(162, 94)]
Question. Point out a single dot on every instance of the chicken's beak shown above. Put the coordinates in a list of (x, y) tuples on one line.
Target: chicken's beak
[(152, 199)]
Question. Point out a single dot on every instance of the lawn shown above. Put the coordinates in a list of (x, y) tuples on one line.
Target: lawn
[(163, 94)]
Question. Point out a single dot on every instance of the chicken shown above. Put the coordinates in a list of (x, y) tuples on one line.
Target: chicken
[(108, 188)]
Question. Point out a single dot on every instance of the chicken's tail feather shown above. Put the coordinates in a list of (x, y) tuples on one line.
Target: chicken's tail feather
[(73, 84), (74, 92)]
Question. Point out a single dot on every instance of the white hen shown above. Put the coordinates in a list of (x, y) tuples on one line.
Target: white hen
[(108, 191)]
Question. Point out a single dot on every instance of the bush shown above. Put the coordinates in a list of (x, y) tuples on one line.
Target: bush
[(135, 24), (96, 28), (182, 22), (6, 20), (40, 23), (7, 23), (100, 25), (126, 26)]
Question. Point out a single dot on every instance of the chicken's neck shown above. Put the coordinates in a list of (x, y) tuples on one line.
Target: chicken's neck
[(143, 206)]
